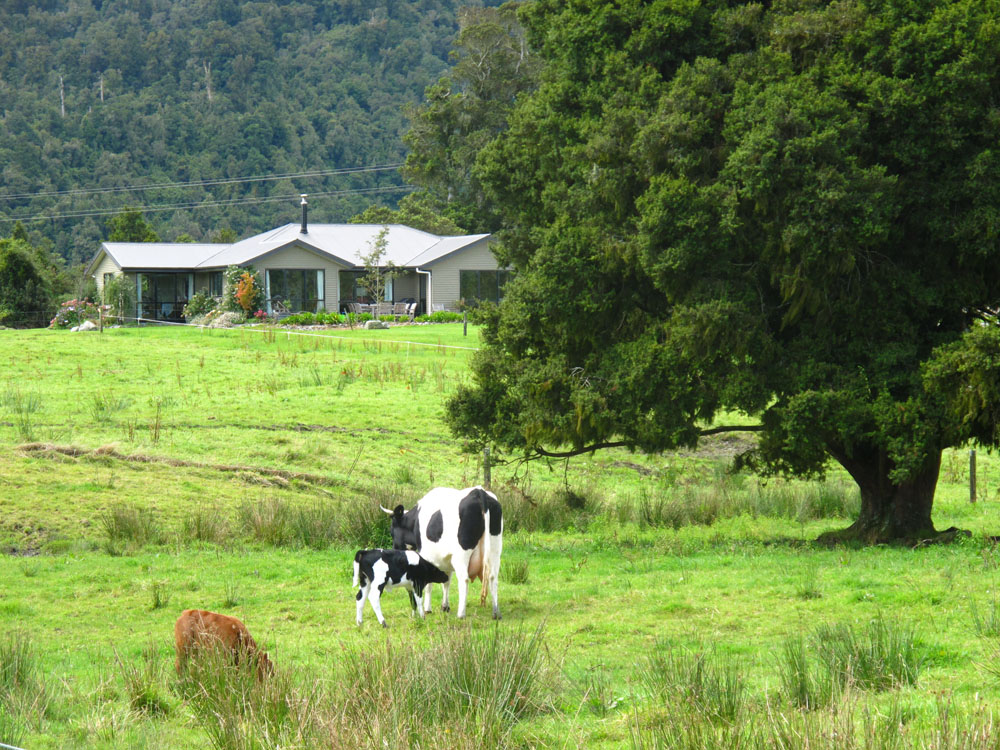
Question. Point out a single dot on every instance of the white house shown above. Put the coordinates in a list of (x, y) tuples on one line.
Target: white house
[(308, 267)]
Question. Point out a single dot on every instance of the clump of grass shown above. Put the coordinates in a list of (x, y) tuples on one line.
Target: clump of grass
[(21, 407), (808, 587), (106, 404), (985, 624), (159, 596), (714, 684), (128, 524), (144, 685), (231, 594), (205, 525), (514, 572), (240, 711), (878, 657), (24, 696), (467, 690), (316, 526), (598, 694), (403, 474), (268, 521)]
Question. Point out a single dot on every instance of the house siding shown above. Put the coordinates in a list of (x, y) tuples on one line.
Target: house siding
[(406, 285), (297, 257), (107, 265), (445, 289)]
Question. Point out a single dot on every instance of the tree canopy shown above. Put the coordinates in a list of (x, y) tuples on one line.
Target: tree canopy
[(787, 211)]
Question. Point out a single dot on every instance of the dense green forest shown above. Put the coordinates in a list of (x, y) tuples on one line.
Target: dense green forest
[(102, 96)]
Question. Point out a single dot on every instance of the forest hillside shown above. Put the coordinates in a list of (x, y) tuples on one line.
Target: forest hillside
[(98, 97)]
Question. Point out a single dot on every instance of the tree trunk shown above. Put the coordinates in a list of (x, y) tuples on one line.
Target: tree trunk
[(890, 511)]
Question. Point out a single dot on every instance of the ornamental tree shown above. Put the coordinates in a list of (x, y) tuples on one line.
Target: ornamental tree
[(789, 211)]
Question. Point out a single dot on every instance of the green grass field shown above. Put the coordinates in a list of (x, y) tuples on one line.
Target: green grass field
[(647, 601)]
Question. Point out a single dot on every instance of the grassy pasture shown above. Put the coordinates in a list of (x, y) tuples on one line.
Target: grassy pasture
[(145, 471)]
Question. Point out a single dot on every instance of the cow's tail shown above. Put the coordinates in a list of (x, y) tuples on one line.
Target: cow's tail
[(487, 543)]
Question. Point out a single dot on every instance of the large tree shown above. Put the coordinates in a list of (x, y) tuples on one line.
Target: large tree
[(466, 109), (787, 210)]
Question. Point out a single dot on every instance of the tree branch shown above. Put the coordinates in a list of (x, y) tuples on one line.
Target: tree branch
[(732, 428), (626, 444)]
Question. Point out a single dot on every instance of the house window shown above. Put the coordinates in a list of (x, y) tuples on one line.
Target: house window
[(107, 279), (162, 296), (482, 286), (297, 290), (215, 284)]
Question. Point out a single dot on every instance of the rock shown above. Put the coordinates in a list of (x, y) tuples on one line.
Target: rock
[(371, 325)]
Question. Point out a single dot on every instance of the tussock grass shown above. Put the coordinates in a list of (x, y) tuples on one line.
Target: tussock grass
[(130, 525), (514, 572), (837, 658), (240, 711), (276, 522), (467, 689), (144, 684), (205, 525), (711, 683), (25, 698)]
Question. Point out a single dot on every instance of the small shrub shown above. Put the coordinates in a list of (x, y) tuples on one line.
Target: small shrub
[(440, 316), (199, 305), (119, 297), (73, 312)]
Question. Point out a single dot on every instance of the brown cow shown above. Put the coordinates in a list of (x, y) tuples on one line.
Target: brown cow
[(198, 628)]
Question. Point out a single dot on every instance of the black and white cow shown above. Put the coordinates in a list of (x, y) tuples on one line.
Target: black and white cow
[(459, 531), (378, 570)]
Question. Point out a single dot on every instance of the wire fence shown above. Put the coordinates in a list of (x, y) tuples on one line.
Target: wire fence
[(44, 319)]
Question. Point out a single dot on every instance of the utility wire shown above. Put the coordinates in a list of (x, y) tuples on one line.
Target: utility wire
[(206, 183), (209, 203)]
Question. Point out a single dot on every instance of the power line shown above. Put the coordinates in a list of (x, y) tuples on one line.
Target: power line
[(205, 183), (194, 206)]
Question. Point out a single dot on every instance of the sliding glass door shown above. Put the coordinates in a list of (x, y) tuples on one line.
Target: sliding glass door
[(294, 290)]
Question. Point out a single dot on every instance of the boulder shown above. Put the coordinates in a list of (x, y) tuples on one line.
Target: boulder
[(371, 325)]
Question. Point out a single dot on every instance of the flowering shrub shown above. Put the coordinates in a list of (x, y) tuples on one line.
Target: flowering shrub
[(242, 290), (199, 304), (260, 315), (73, 312)]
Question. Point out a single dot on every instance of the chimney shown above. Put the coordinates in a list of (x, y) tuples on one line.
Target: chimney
[(305, 215)]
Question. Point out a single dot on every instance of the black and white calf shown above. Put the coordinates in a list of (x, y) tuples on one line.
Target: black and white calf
[(378, 570), (459, 531)]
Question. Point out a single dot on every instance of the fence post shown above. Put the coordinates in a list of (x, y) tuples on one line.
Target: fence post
[(100, 320), (465, 323), (972, 476), (486, 467)]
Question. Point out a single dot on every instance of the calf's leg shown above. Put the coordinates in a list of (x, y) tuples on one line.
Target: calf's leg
[(374, 597), (362, 594)]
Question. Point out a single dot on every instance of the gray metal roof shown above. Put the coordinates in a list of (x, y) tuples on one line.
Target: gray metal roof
[(342, 243), (160, 255)]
